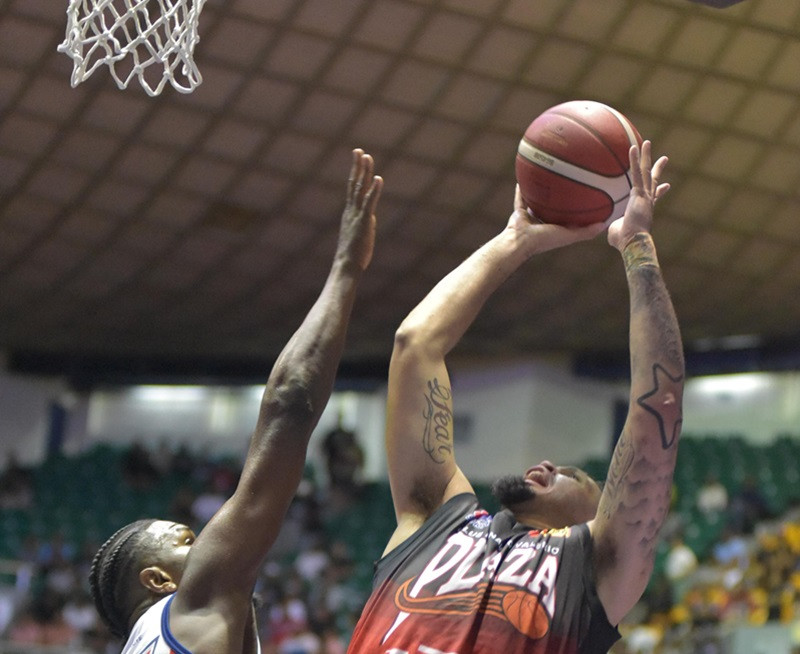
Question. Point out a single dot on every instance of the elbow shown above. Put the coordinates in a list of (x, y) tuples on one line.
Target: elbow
[(291, 398), (407, 337), (415, 338)]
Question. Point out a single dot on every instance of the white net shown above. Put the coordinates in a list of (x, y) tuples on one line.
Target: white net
[(152, 40)]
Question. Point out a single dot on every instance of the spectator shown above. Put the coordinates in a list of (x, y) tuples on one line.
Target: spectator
[(681, 562), (344, 461), (288, 617), (731, 554), (304, 641), (42, 623), (182, 462), (222, 484), (138, 469), (180, 508), (712, 497), (313, 560), (55, 551), (747, 507), (79, 612)]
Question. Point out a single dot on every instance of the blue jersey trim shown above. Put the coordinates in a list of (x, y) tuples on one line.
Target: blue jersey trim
[(169, 639)]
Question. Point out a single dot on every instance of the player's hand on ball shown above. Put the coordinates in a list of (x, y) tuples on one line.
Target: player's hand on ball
[(647, 188), (541, 237)]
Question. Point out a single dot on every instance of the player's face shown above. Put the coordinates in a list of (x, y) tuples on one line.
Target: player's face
[(563, 493), (173, 541)]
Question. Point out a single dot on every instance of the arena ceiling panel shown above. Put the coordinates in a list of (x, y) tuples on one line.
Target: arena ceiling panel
[(196, 229)]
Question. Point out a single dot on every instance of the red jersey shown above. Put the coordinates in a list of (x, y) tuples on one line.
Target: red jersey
[(471, 583)]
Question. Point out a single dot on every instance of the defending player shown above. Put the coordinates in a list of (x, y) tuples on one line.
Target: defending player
[(169, 593)]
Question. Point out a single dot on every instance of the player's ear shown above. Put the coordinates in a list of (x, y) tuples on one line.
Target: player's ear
[(157, 580)]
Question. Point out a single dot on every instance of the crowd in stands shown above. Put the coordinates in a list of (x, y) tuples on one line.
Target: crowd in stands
[(316, 578), (748, 575)]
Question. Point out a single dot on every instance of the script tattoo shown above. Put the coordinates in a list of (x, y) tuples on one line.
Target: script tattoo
[(437, 439), (617, 471), (668, 432)]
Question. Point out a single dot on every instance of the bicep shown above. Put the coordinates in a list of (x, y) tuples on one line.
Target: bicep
[(419, 436)]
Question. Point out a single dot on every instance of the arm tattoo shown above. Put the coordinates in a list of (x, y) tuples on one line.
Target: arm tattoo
[(637, 492), (620, 465), (667, 432), (639, 252), (437, 439)]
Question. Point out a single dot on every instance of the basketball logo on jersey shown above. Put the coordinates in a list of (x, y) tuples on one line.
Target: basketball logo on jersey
[(518, 607)]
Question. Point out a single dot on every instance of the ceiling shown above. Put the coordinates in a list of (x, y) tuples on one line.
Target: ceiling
[(191, 232)]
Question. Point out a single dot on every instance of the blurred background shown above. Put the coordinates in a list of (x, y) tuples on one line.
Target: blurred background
[(157, 252)]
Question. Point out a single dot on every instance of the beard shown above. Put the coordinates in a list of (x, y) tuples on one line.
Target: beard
[(512, 489)]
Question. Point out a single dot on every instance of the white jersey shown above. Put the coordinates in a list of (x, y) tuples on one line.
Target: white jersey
[(151, 634)]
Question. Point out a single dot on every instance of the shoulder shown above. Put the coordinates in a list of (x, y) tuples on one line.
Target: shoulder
[(453, 515), (149, 626)]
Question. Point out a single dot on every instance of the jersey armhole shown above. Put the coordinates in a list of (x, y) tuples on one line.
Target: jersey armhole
[(601, 633), (169, 639)]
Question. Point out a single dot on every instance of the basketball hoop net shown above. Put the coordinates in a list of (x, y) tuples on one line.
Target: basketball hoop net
[(153, 40)]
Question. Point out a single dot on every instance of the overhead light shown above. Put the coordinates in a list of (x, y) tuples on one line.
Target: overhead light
[(741, 384), (734, 342), (159, 393)]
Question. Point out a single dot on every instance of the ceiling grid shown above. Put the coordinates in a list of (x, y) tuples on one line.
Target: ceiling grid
[(202, 225)]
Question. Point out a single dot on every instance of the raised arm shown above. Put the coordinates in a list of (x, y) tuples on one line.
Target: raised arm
[(419, 423), (226, 557), (635, 499)]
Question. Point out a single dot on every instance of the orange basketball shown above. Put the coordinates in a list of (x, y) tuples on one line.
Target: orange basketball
[(524, 611), (572, 163)]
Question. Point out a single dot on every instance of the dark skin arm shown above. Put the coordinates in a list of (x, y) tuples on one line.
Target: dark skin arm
[(212, 608), (635, 499)]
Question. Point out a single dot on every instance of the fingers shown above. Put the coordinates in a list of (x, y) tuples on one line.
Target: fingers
[(644, 174), (658, 168), (645, 165), (360, 177), (373, 195), (635, 167), (519, 205), (661, 190), (364, 176), (354, 172)]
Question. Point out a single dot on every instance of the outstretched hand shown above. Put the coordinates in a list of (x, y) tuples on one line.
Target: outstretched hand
[(646, 190), (542, 237), (357, 230)]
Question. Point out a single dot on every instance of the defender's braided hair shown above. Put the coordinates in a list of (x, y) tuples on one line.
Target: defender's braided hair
[(109, 577)]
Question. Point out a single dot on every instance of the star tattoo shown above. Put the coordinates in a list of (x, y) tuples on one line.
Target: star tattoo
[(667, 439)]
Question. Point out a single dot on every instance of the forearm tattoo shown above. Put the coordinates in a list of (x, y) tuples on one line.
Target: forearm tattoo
[(668, 427), (437, 436), (639, 252), (637, 493)]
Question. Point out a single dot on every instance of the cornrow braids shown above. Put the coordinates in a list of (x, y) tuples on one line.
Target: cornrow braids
[(107, 578)]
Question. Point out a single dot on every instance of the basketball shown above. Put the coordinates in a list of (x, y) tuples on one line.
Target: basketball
[(572, 163)]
